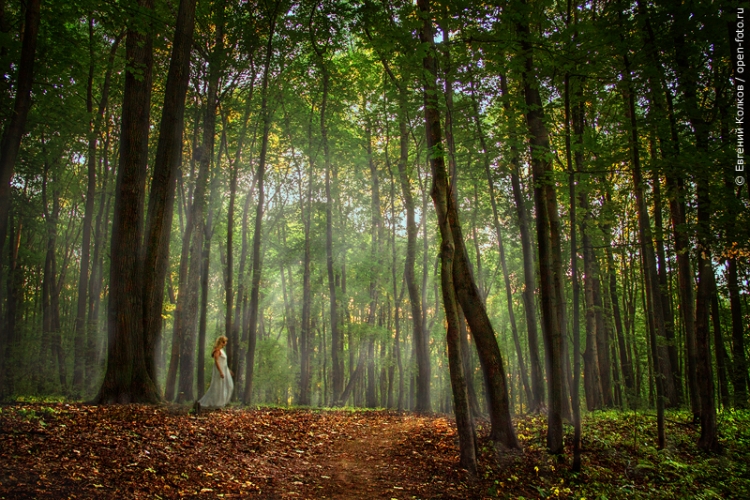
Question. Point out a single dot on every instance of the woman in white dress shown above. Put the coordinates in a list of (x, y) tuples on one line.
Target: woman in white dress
[(222, 384)]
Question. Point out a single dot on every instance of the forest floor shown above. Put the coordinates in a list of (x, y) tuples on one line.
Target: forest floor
[(80, 451)]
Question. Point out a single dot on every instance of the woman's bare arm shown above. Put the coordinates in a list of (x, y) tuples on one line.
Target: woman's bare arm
[(217, 355)]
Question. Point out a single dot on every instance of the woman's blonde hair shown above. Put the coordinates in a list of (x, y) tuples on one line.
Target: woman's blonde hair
[(219, 341)]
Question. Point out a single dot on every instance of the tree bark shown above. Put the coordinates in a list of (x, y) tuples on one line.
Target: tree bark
[(303, 395), (50, 295), (529, 275), (415, 298), (127, 379), (11, 140), (675, 397), (257, 234), (688, 85), (662, 374), (187, 302), (163, 182), (545, 200), (575, 393), (501, 249), (442, 199), (80, 325), (739, 369), (722, 359), (675, 185)]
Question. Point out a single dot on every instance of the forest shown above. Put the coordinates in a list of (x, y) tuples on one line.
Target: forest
[(513, 227)]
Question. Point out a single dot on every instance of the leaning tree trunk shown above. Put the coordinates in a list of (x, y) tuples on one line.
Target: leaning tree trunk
[(452, 166), (465, 288), (442, 200)]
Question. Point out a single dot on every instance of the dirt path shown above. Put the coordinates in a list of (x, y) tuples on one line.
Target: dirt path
[(365, 464)]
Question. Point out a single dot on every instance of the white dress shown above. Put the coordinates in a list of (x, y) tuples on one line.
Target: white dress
[(220, 391)]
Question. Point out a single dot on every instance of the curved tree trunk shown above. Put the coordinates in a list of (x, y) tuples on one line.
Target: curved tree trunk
[(442, 199)]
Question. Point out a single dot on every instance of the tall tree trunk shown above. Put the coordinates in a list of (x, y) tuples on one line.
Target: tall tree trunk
[(11, 140), (453, 169), (415, 300), (597, 342), (80, 321), (80, 325), (501, 249), (529, 275), (688, 85), (739, 369), (591, 378), (375, 249), (722, 359), (230, 324), (675, 397), (257, 234), (545, 200), (662, 374), (625, 362), (127, 379), (465, 287), (397, 298), (420, 352), (575, 393), (163, 182), (442, 199), (96, 280), (675, 185), (233, 347), (303, 395), (195, 230), (50, 295), (9, 335), (205, 266)]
